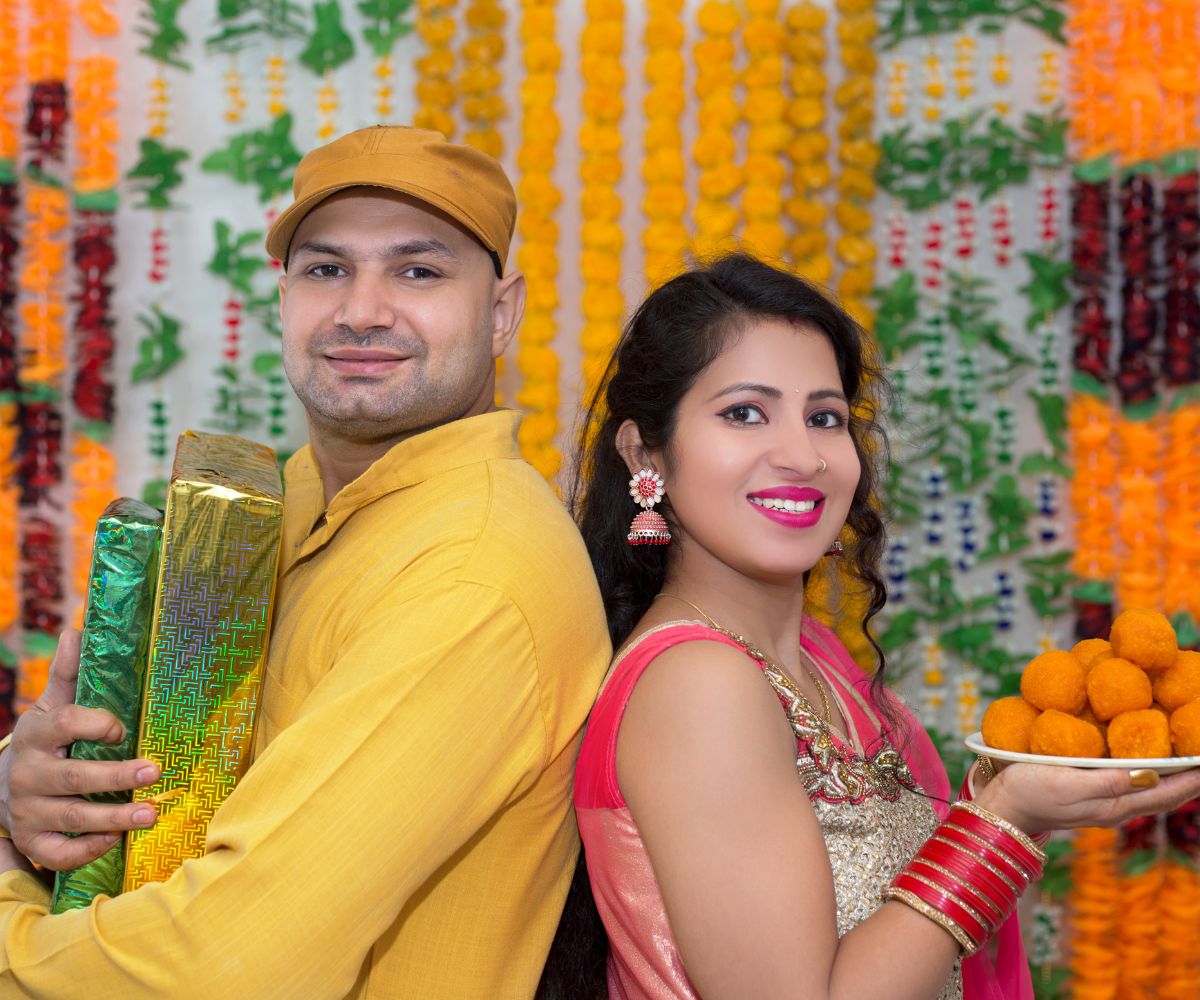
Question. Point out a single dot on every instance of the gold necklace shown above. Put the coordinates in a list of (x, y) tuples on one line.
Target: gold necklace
[(757, 653)]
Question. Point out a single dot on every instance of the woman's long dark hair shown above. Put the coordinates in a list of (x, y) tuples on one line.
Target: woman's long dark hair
[(673, 337)]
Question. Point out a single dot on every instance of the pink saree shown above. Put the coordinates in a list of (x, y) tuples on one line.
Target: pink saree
[(644, 963)]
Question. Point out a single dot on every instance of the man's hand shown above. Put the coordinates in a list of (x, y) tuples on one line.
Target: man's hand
[(41, 787)]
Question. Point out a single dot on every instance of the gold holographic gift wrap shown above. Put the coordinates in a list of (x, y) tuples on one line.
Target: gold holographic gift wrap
[(208, 641), (112, 666)]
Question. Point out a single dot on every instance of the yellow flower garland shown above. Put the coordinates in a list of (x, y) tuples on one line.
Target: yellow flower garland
[(601, 235), (665, 236), (809, 147), (715, 149), (857, 155), (479, 84), (276, 71), (766, 107), (435, 70), (537, 255), (235, 91)]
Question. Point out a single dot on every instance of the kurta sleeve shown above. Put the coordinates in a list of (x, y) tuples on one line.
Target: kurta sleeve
[(429, 722)]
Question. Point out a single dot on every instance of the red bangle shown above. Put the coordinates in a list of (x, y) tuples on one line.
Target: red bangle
[(957, 887), (975, 848), (945, 903), (999, 838), (971, 871), (1025, 842)]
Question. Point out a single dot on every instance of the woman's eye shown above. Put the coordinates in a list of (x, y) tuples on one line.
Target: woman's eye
[(744, 414), (826, 418)]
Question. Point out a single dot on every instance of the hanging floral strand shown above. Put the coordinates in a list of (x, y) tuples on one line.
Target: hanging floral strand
[(329, 46), (1139, 930), (808, 149), (766, 107), (1095, 907), (537, 225), (43, 360), (479, 82), (601, 45), (715, 150), (10, 420), (384, 23), (93, 465), (1179, 904), (664, 205), (435, 69)]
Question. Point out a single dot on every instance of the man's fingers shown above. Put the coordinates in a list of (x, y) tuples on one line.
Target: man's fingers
[(64, 672), (84, 777), (60, 854)]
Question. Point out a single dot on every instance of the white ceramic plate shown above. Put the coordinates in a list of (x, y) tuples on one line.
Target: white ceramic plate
[(1163, 765)]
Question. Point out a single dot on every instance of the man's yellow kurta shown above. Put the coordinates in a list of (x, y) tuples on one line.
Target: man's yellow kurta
[(405, 829)]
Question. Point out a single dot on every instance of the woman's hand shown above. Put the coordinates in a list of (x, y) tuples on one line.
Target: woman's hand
[(1041, 797)]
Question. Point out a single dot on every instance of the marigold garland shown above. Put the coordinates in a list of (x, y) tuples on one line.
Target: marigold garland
[(1139, 519), (537, 255), (1095, 906), (479, 82), (1181, 512), (601, 45), (1092, 431), (93, 466), (808, 149), (664, 204), (436, 95), (1139, 930), (1178, 903), (715, 150), (1090, 56), (765, 106), (857, 155)]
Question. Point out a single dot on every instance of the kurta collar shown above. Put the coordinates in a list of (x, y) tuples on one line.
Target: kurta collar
[(415, 460)]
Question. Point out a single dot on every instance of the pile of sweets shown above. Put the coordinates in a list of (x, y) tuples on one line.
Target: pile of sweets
[(1135, 695)]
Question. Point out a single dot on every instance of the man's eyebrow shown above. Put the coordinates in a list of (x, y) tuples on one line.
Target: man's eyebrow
[(409, 248)]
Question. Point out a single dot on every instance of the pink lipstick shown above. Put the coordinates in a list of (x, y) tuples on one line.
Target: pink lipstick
[(791, 506)]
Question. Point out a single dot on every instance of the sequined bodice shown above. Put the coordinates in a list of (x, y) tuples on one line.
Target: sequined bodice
[(871, 818)]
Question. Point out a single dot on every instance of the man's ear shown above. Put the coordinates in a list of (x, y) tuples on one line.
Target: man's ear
[(508, 306), (632, 448)]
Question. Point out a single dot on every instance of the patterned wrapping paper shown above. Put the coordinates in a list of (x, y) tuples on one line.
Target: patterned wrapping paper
[(112, 665), (208, 641)]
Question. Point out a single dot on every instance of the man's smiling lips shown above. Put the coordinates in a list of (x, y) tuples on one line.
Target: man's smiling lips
[(364, 360)]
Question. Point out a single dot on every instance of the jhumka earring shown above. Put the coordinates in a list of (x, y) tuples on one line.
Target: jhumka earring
[(836, 549), (648, 527)]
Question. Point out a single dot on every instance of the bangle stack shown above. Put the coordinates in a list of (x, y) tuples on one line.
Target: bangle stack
[(968, 876)]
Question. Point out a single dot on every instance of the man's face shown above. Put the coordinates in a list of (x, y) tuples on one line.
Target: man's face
[(392, 317)]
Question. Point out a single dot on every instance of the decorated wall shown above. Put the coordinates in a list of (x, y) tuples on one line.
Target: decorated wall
[(1003, 191)]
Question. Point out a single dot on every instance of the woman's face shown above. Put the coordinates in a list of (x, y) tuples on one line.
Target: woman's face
[(761, 466)]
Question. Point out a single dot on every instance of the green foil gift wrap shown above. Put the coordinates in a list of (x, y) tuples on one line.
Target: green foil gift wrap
[(208, 642), (112, 665)]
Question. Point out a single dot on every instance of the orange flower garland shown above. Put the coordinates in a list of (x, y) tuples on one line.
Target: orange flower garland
[(665, 237), (1138, 99), (537, 255), (766, 107), (857, 155), (1139, 518), (600, 169), (1092, 115), (1138, 932), (1095, 907), (482, 53), (1178, 42), (1179, 907), (435, 83), (1093, 458), (715, 149), (1181, 513), (93, 469), (809, 147)]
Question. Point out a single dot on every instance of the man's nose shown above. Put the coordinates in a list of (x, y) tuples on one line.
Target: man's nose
[(367, 304)]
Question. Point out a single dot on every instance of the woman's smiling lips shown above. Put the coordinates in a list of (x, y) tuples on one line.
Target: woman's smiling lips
[(364, 361), (793, 506)]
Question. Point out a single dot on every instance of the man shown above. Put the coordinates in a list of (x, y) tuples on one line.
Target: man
[(404, 830)]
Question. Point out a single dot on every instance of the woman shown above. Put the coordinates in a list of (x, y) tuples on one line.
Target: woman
[(746, 795)]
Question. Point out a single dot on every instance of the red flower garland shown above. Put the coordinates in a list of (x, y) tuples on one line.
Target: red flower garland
[(1139, 318)]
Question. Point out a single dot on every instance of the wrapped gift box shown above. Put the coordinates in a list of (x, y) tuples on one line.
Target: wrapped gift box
[(208, 641), (112, 665)]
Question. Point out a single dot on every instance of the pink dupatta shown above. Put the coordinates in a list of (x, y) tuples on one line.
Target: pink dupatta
[(1006, 976)]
